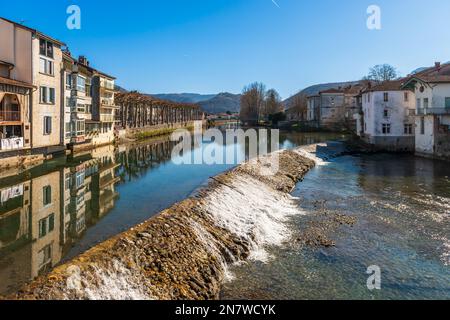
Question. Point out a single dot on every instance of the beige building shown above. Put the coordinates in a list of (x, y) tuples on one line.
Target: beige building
[(30, 88)]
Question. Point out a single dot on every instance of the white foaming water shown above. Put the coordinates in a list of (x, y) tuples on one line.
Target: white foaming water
[(213, 247), (115, 284), (253, 211), (310, 152)]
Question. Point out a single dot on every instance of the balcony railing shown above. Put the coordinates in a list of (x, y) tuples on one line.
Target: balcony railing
[(11, 144), (9, 115), (108, 103), (107, 118), (433, 111)]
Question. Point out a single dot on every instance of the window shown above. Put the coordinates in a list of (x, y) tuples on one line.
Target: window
[(47, 95), (368, 97), (68, 81), (46, 225), (447, 102), (408, 129), (68, 104), (425, 102), (79, 178), (81, 108), (47, 125), (422, 125), (386, 97), (47, 195), (45, 256), (88, 108), (419, 104), (68, 130), (46, 66), (46, 48), (80, 128), (406, 96), (386, 128), (81, 84), (386, 113)]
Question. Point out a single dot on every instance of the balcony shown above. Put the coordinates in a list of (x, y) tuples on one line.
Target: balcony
[(107, 118), (108, 104), (12, 116), (433, 111), (11, 144)]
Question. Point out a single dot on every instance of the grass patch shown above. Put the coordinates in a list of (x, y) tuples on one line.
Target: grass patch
[(158, 132)]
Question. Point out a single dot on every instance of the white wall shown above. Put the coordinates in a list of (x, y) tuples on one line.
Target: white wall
[(15, 48), (398, 110), (436, 94), (425, 142)]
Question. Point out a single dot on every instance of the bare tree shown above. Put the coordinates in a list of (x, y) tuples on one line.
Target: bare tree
[(253, 102), (382, 72), (273, 103), (300, 105)]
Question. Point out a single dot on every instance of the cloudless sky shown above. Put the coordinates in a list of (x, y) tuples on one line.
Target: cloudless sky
[(210, 46)]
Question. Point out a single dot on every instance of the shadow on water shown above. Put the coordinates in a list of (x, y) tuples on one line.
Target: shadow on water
[(53, 212)]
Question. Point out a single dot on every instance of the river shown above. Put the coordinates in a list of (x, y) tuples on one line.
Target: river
[(402, 207), (55, 211)]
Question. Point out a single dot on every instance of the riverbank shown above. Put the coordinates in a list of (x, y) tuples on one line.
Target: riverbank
[(184, 252)]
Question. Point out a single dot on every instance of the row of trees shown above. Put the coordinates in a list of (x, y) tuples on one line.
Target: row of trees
[(259, 104)]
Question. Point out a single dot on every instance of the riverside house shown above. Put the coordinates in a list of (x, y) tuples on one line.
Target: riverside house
[(334, 108), (432, 90), (88, 103), (388, 116), (49, 100), (30, 88)]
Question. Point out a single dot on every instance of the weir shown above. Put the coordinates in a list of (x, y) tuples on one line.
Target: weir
[(185, 251)]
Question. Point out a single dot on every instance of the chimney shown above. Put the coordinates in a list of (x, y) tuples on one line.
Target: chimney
[(437, 65), (83, 60)]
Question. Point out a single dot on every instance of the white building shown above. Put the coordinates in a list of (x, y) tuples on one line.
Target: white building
[(432, 90), (388, 116)]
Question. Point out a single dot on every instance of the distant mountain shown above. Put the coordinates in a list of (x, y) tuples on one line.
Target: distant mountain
[(222, 103), (315, 89), (184, 97), (120, 89)]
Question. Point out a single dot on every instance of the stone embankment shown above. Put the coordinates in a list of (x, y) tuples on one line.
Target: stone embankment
[(184, 252)]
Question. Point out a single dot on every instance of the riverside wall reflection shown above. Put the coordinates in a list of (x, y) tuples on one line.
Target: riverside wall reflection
[(41, 217)]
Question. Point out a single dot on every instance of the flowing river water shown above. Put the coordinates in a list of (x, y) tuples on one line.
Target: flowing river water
[(55, 211)]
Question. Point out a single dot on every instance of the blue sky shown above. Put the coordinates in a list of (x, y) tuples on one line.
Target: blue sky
[(209, 46)]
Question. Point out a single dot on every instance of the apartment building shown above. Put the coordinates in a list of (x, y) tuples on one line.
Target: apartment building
[(388, 116), (432, 105), (104, 108), (30, 88)]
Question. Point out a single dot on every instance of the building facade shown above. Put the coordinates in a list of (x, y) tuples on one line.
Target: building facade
[(30, 91), (388, 116), (432, 91)]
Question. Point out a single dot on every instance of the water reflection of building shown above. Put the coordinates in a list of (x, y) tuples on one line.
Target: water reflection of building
[(41, 218)]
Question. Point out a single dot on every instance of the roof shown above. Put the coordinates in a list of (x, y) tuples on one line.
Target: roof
[(38, 33), (395, 85), (15, 83), (10, 65), (437, 74), (330, 91)]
